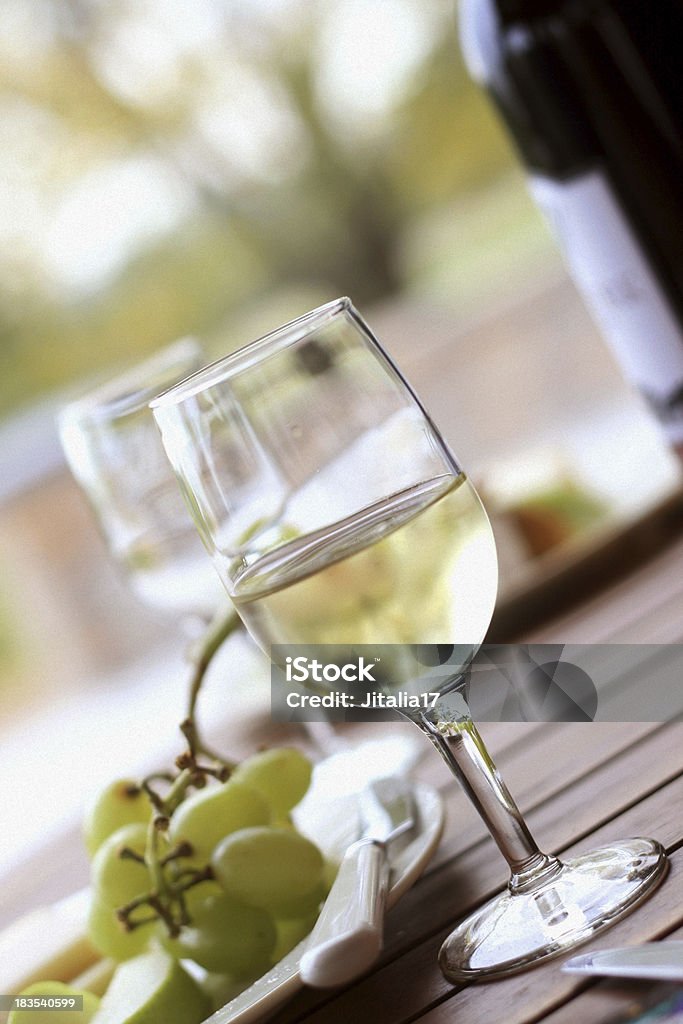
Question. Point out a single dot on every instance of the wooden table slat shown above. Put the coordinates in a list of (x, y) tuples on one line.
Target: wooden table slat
[(631, 603), (399, 992), (619, 790), (534, 772), (534, 994), (613, 999)]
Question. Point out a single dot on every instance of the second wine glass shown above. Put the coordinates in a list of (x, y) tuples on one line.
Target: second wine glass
[(337, 515), (114, 452)]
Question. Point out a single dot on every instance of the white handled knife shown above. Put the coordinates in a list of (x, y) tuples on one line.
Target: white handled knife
[(658, 961), (347, 937)]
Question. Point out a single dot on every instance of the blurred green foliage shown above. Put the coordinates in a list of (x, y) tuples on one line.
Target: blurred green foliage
[(325, 207)]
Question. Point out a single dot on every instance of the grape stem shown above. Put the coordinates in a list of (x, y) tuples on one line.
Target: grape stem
[(201, 655), (166, 898), (127, 854)]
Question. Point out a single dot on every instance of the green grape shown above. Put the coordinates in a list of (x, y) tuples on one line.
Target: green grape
[(60, 990), (268, 867), (290, 932), (109, 937), (153, 989), (121, 803), (118, 880), (227, 937), (281, 775), (212, 813), (303, 906), (196, 895), (222, 988)]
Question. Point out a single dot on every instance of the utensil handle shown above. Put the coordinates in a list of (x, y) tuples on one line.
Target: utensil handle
[(348, 935)]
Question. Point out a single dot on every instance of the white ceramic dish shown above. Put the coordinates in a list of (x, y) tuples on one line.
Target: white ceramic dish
[(282, 982)]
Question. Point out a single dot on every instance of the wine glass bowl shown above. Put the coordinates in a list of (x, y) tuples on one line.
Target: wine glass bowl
[(336, 514), (114, 451), (307, 451)]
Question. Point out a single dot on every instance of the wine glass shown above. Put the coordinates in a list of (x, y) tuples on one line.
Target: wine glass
[(336, 514), (114, 451)]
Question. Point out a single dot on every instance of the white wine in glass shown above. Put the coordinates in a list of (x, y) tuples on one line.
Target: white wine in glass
[(336, 514), (401, 572)]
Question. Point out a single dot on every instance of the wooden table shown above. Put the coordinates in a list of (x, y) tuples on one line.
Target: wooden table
[(579, 785)]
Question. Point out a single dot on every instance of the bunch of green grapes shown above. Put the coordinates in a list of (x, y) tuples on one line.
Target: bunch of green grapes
[(266, 884)]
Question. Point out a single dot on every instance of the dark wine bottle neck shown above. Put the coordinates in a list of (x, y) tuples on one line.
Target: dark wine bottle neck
[(535, 90), (515, 11), (521, 10)]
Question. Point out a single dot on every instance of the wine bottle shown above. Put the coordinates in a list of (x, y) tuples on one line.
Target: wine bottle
[(591, 91)]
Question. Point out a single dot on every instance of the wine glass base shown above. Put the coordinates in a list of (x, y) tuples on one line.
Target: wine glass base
[(515, 931)]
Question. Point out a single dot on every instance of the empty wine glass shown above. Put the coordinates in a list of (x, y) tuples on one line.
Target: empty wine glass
[(336, 514), (114, 451)]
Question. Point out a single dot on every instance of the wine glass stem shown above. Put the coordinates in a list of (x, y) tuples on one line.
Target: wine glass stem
[(463, 750)]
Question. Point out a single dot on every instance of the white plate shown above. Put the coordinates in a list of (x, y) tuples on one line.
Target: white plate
[(283, 981)]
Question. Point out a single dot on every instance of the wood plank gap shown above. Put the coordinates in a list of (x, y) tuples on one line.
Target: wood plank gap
[(549, 799), (596, 983), (397, 950), (473, 832), (622, 993), (481, 875), (526, 1003)]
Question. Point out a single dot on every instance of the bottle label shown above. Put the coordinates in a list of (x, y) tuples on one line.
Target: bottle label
[(620, 289)]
